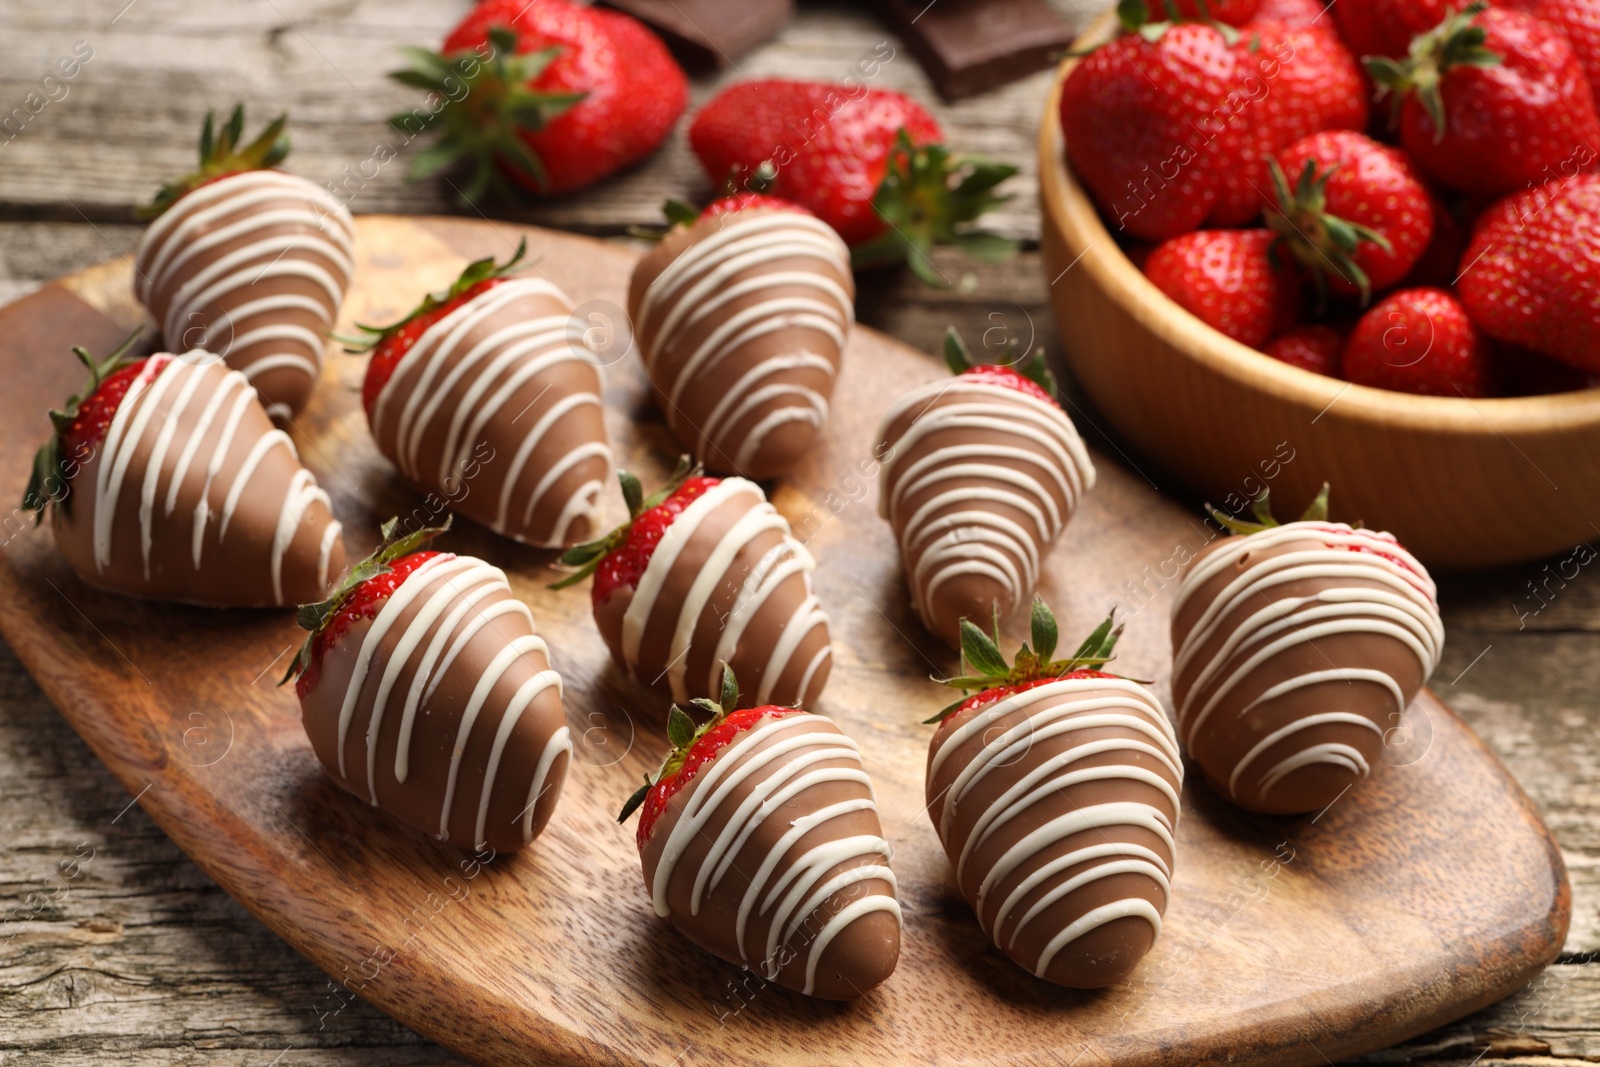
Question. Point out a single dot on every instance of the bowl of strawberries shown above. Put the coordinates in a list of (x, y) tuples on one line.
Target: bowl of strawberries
[(1358, 244)]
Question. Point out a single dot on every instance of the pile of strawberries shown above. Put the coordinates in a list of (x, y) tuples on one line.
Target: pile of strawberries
[(1399, 194)]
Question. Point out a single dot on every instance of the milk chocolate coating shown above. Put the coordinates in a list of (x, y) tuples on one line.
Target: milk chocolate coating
[(443, 711), (1297, 650), (978, 481), (1058, 806), (253, 267), (496, 408), (727, 583), (741, 320), (772, 858), (192, 495)]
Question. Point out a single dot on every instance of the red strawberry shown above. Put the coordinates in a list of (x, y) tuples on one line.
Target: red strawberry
[(1493, 101), (1386, 27), (1439, 262), (1293, 81), (557, 96), (681, 213), (1358, 218), (1232, 12), (1578, 20), (1314, 348), (1146, 126), (1531, 275), (1026, 374), (81, 423), (1292, 12), (389, 344), (1419, 341), (1230, 280), (868, 162)]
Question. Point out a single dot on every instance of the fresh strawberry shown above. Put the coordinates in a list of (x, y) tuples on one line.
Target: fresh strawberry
[(222, 155), (1012, 369), (619, 559), (81, 423), (1294, 81), (995, 679), (389, 344), (1439, 262), (1531, 275), (360, 595), (1419, 341), (1387, 27), (556, 96), (1357, 217), (871, 163), (1129, 116), (1493, 101), (1578, 20), (1232, 12), (1314, 348), (1231, 280), (1292, 12)]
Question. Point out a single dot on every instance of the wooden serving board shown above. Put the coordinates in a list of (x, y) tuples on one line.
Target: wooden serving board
[(1430, 891)]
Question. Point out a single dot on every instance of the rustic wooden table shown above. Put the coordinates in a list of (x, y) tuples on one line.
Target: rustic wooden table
[(114, 948)]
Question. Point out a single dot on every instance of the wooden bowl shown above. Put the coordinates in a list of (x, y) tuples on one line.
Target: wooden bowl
[(1463, 483)]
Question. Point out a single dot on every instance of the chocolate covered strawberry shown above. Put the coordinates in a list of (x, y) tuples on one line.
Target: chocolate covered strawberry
[(705, 574), (871, 163), (166, 479), (981, 474), (741, 318), (1531, 275), (1055, 791), (551, 95), (426, 693), (1493, 101), (1297, 648), (486, 399), (248, 262), (1232, 280), (760, 841), (1419, 341), (1351, 211)]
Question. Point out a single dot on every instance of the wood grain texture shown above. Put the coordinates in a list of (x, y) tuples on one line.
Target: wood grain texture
[(523, 980), (1455, 479)]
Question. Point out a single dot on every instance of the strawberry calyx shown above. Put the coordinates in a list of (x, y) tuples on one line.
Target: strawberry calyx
[(388, 344), (693, 746), (1134, 17), (995, 679), (222, 155), (57, 458), (1317, 238), (484, 126), (1261, 508), (585, 559), (929, 197), (1458, 41), (1027, 374), (320, 620)]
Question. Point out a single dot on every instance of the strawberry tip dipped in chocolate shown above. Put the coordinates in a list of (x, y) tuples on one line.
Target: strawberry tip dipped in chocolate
[(741, 314), (425, 692), (876, 169), (705, 574), (166, 479), (1297, 648), (486, 398), (1054, 789), (760, 841), (541, 96), (980, 475), (248, 261)]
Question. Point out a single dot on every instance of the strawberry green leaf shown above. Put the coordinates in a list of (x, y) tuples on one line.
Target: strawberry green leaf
[(586, 558), (1261, 508), (635, 800), (1317, 510), (1043, 630), (480, 270), (49, 465), (221, 155), (730, 689), (982, 652), (956, 356), (680, 727)]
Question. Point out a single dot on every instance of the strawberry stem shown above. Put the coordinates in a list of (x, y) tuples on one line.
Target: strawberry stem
[(1458, 41), (1034, 368), (220, 154)]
